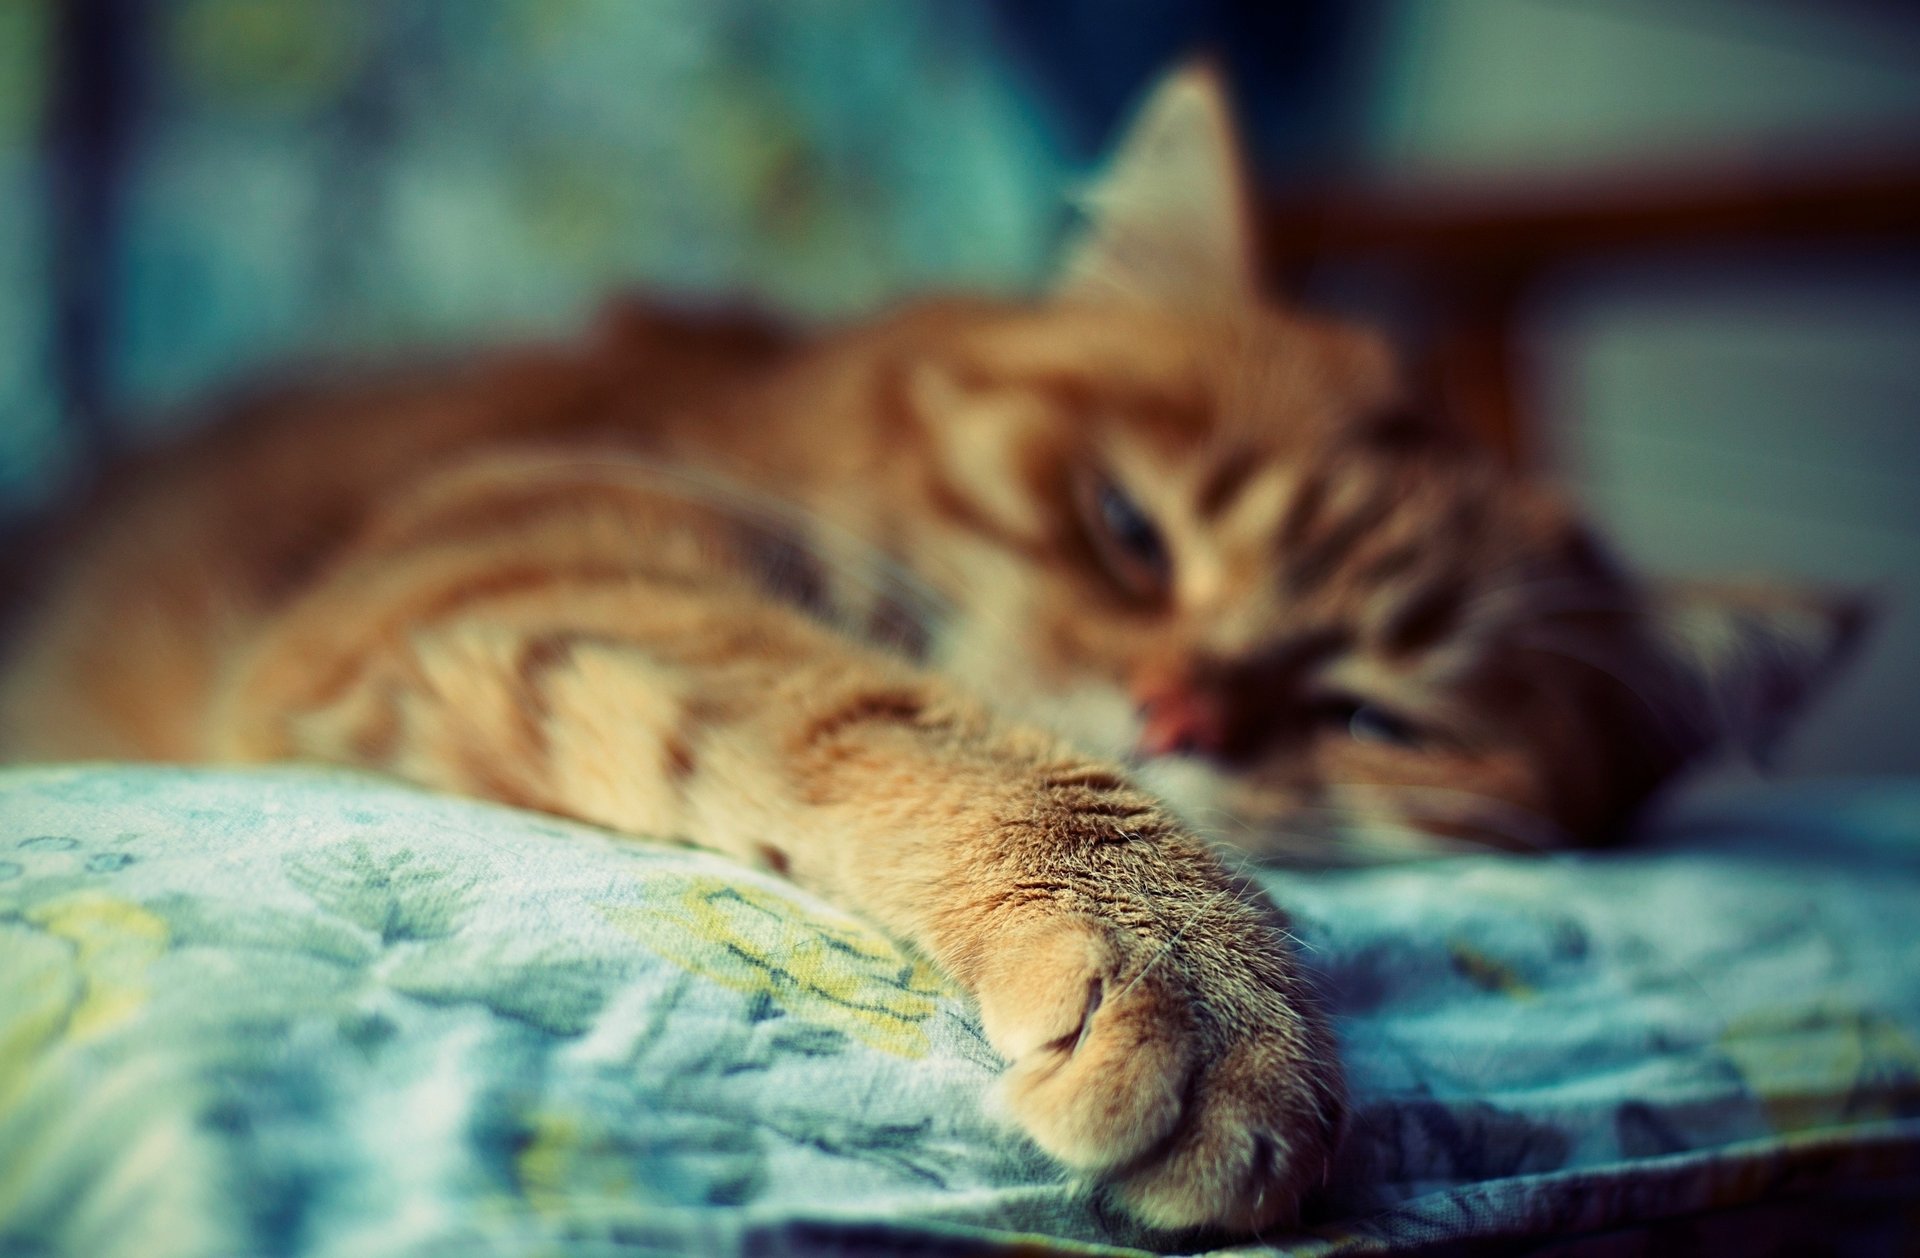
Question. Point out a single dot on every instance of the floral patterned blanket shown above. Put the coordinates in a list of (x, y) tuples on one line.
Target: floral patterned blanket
[(306, 1013)]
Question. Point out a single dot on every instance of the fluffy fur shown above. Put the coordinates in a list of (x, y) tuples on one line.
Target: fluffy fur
[(813, 602)]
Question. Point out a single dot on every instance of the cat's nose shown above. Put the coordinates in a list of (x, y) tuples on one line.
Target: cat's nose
[(1177, 720)]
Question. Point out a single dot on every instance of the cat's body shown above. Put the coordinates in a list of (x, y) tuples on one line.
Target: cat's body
[(812, 602)]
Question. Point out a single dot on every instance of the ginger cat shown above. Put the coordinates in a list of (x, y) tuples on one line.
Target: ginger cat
[(930, 615)]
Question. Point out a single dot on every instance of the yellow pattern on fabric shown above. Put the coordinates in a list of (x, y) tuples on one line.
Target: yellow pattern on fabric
[(1816, 1067), (114, 944), (1489, 974), (563, 1165), (834, 973), (43, 987)]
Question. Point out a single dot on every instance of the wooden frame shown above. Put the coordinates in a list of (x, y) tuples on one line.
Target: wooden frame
[(1478, 251)]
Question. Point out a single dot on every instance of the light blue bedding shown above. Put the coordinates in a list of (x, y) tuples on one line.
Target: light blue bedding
[(295, 1012)]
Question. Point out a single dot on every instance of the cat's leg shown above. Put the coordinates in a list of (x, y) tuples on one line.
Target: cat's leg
[(1160, 1033)]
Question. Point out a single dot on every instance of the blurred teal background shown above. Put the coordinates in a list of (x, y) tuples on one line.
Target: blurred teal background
[(192, 190), (266, 178)]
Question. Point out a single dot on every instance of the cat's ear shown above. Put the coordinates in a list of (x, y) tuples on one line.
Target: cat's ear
[(1170, 222), (1749, 658)]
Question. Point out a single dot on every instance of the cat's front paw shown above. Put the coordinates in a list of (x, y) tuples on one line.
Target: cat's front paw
[(1185, 1074)]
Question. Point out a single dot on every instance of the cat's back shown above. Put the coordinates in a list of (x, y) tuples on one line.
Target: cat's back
[(183, 551)]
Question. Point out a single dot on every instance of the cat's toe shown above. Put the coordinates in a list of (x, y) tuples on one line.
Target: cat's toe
[(1100, 1062), (1257, 1136)]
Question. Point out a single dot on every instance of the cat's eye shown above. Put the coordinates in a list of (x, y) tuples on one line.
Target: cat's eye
[(1126, 538), (1129, 526), (1370, 723)]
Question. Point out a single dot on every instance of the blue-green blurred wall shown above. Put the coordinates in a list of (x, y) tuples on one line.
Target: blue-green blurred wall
[(198, 187)]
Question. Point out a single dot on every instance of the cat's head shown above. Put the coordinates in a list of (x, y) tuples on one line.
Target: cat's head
[(1204, 533)]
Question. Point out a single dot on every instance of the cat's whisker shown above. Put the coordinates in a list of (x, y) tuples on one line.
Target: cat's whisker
[(1355, 831), (1670, 717), (1350, 837), (1167, 948), (1521, 593), (1262, 840), (1242, 862), (1511, 821), (1520, 826)]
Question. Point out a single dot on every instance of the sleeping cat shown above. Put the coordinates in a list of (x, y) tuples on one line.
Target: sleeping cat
[(981, 618)]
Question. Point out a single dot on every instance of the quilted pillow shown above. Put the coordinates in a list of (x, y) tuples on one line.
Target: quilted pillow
[(299, 1012)]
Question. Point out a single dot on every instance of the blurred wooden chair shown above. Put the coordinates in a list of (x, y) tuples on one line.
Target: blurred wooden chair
[(1475, 253)]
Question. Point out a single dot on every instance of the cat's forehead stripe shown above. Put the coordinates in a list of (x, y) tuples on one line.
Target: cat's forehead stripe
[(1424, 616), (1232, 471), (1356, 507)]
